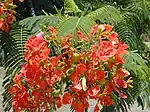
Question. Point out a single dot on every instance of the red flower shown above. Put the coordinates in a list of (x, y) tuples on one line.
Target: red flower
[(1, 11), (90, 75), (122, 48), (113, 38), (106, 100), (54, 61), (36, 95), (23, 101), (34, 43), (44, 54), (66, 99), (122, 95), (78, 106), (122, 73), (108, 28), (13, 89), (41, 84), (52, 30), (96, 108), (100, 75), (58, 102), (15, 106), (103, 51), (120, 82), (56, 76), (59, 73), (119, 59), (17, 79), (108, 88), (36, 49), (93, 91), (74, 78), (78, 86), (93, 55), (81, 68)]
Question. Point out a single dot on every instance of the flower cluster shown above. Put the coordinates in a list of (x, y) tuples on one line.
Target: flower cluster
[(90, 70), (7, 13)]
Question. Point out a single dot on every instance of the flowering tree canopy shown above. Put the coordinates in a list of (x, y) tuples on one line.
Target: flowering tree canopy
[(7, 14), (86, 67)]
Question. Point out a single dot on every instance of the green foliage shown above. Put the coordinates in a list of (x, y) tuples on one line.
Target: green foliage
[(141, 79), (95, 4), (70, 6), (106, 14), (13, 45), (34, 24), (136, 65), (70, 26)]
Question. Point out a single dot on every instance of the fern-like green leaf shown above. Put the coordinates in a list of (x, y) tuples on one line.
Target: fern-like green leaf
[(107, 14), (141, 78), (13, 45), (34, 23), (70, 6), (72, 24)]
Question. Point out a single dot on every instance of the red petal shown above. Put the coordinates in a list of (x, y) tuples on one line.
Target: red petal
[(122, 72), (17, 78), (59, 73), (15, 106), (51, 29), (78, 86), (81, 68), (100, 75), (108, 89), (119, 59), (78, 107), (36, 95), (121, 48), (93, 55), (1, 11), (66, 99), (93, 91), (45, 54), (41, 84), (108, 28), (120, 82), (113, 36), (96, 108), (106, 101), (74, 78), (110, 65), (13, 89), (54, 60), (122, 95), (58, 102)]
